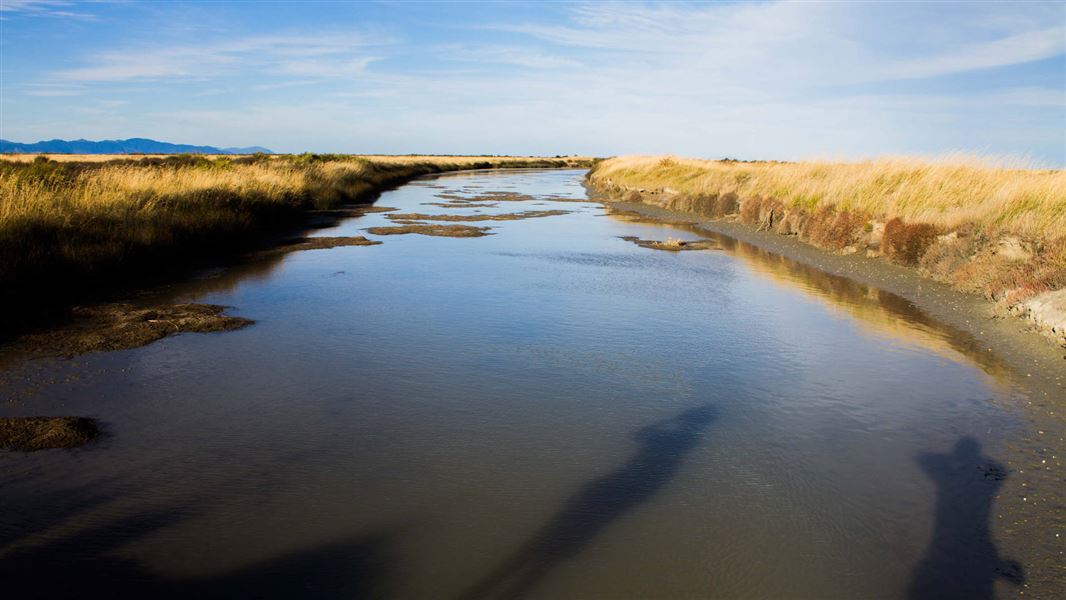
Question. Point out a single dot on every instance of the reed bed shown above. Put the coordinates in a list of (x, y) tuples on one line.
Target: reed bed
[(994, 229), (71, 222)]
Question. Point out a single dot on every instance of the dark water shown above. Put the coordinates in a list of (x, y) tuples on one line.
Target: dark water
[(546, 412)]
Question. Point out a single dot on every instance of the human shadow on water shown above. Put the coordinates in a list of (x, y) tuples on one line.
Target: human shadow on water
[(90, 564), (962, 561), (662, 448)]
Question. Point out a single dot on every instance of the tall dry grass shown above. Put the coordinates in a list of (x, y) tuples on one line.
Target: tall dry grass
[(952, 218), (947, 193), (76, 222)]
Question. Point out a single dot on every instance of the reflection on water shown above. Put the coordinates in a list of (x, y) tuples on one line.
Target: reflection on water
[(883, 313), (434, 417)]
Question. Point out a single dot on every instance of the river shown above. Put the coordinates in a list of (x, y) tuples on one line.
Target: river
[(549, 411)]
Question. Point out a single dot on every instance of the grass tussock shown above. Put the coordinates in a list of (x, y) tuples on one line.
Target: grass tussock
[(85, 220), (996, 230)]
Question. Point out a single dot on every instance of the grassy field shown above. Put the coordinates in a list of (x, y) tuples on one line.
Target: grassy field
[(75, 220), (995, 230)]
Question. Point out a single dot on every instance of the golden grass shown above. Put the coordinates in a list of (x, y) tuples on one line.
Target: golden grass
[(947, 193), (91, 217), (902, 207)]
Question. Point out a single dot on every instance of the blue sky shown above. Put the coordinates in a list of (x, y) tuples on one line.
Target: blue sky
[(773, 80)]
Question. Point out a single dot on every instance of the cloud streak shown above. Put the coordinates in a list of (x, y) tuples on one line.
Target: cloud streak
[(309, 55), (43, 8)]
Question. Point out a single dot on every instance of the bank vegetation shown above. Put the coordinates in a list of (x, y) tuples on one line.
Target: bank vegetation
[(68, 221), (993, 230)]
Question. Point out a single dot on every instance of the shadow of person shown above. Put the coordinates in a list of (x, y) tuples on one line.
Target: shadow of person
[(962, 561), (662, 448)]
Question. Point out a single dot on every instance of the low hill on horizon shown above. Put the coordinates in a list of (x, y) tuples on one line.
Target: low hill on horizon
[(130, 146)]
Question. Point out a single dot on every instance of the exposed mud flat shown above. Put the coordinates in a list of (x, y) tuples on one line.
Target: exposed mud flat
[(27, 434), (354, 211), (633, 216), (570, 199), (528, 214), (671, 244), (462, 204), (121, 326), (487, 197), (459, 231), (317, 243)]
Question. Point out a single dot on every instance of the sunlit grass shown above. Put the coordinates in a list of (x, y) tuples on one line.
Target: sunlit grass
[(92, 215), (947, 193), (952, 218)]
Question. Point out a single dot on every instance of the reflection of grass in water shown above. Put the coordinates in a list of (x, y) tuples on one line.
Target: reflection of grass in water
[(882, 313)]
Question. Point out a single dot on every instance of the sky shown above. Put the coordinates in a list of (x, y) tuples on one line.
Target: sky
[(746, 80)]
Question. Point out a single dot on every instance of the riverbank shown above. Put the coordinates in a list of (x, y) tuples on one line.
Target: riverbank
[(1005, 348), (992, 232), (72, 227)]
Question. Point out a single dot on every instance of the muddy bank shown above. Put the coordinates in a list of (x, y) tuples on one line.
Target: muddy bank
[(119, 326), (461, 204), (27, 434), (461, 231), (316, 243), (671, 244), (485, 197)]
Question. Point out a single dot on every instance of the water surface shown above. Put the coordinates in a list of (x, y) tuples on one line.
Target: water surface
[(546, 412)]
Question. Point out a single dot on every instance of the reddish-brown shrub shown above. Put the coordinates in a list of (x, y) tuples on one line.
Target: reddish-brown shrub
[(749, 210), (834, 229), (906, 242), (726, 204)]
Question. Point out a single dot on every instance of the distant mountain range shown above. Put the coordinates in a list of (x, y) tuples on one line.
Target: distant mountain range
[(130, 146)]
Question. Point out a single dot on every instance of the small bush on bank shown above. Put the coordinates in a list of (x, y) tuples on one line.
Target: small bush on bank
[(906, 242)]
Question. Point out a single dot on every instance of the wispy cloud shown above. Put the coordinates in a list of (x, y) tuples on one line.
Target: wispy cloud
[(292, 55), (44, 89), (494, 54), (1019, 48), (44, 8), (813, 43)]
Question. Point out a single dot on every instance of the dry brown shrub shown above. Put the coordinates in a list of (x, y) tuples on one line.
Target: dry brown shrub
[(906, 242), (835, 229), (726, 204), (1015, 281), (749, 210)]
